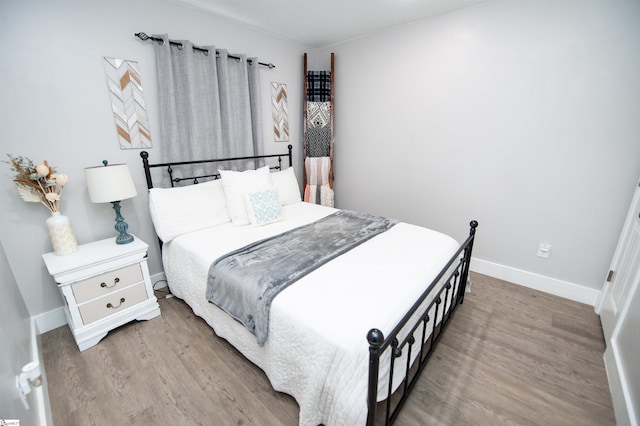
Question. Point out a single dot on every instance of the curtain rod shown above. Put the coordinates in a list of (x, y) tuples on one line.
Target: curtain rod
[(143, 36)]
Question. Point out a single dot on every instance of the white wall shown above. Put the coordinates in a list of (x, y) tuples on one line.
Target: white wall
[(521, 114), (55, 106)]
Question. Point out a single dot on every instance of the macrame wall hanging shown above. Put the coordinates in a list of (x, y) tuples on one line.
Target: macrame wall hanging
[(318, 135)]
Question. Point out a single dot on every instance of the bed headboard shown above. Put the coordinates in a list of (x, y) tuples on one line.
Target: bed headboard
[(172, 167)]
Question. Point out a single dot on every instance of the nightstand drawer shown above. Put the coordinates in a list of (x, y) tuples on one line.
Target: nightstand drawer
[(112, 304), (106, 283)]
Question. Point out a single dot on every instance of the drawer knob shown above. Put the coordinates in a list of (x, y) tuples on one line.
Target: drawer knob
[(115, 281), (111, 306)]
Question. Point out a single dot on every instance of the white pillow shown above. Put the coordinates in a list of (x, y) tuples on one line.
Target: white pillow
[(176, 211), (237, 184), (287, 184), (263, 207)]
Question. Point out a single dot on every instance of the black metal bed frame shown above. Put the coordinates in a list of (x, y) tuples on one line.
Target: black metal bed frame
[(449, 285), (451, 281), (195, 179)]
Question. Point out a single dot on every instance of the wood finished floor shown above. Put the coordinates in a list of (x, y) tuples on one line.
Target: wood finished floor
[(511, 356)]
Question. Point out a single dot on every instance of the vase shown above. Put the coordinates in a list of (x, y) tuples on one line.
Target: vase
[(62, 237)]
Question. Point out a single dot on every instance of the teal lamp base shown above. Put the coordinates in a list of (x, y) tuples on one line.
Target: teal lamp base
[(121, 226)]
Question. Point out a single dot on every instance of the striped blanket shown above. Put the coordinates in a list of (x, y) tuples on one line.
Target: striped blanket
[(318, 190)]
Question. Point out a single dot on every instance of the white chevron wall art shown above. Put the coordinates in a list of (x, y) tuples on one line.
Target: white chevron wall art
[(127, 102), (280, 112)]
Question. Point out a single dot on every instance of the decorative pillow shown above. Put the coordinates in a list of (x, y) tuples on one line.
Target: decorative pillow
[(176, 211), (287, 184), (237, 184), (263, 207)]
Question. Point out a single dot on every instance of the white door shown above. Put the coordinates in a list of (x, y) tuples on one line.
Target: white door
[(619, 309), (625, 264), (621, 361), (15, 351)]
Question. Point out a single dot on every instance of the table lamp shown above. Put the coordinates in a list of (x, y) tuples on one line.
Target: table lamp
[(112, 183)]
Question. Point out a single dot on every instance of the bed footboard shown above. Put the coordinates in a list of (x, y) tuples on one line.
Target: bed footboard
[(420, 329)]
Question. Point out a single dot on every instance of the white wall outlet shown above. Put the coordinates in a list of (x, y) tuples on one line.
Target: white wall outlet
[(544, 250)]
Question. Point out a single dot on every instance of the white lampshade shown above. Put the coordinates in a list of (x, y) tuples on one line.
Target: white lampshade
[(109, 183)]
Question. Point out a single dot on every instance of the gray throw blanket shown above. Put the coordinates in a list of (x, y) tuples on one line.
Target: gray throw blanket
[(244, 282)]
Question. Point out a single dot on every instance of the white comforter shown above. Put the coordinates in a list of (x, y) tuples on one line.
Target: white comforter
[(317, 349)]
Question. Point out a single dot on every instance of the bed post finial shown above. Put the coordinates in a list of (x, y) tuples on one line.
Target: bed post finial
[(147, 173), (375, 338), (467, 260)]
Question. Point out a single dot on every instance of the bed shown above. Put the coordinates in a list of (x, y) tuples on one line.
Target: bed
[(349, 339)]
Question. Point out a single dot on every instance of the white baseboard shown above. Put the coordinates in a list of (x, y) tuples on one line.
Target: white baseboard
[(158, 281), (568, 290), (50, 320), (56, 317), (40, 393)]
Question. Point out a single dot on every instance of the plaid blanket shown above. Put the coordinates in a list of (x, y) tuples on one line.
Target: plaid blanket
[(318, 86)]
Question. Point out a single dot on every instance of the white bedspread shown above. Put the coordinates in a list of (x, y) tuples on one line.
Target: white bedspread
[(317, 349)]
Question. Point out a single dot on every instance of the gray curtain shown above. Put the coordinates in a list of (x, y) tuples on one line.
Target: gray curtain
[(209, 107)]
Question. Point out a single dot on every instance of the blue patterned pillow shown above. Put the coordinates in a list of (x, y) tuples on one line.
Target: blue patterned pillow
[(264, 207)]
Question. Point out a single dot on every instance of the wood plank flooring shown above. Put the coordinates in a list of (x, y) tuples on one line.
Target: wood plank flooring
[(511, 355)]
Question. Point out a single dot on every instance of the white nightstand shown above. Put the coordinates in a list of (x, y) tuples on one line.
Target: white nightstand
[(104, 285)]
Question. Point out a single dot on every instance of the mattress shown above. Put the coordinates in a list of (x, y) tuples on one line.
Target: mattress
[(317, 350)]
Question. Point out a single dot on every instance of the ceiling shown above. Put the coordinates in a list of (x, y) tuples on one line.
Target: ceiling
[(321, 23)]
